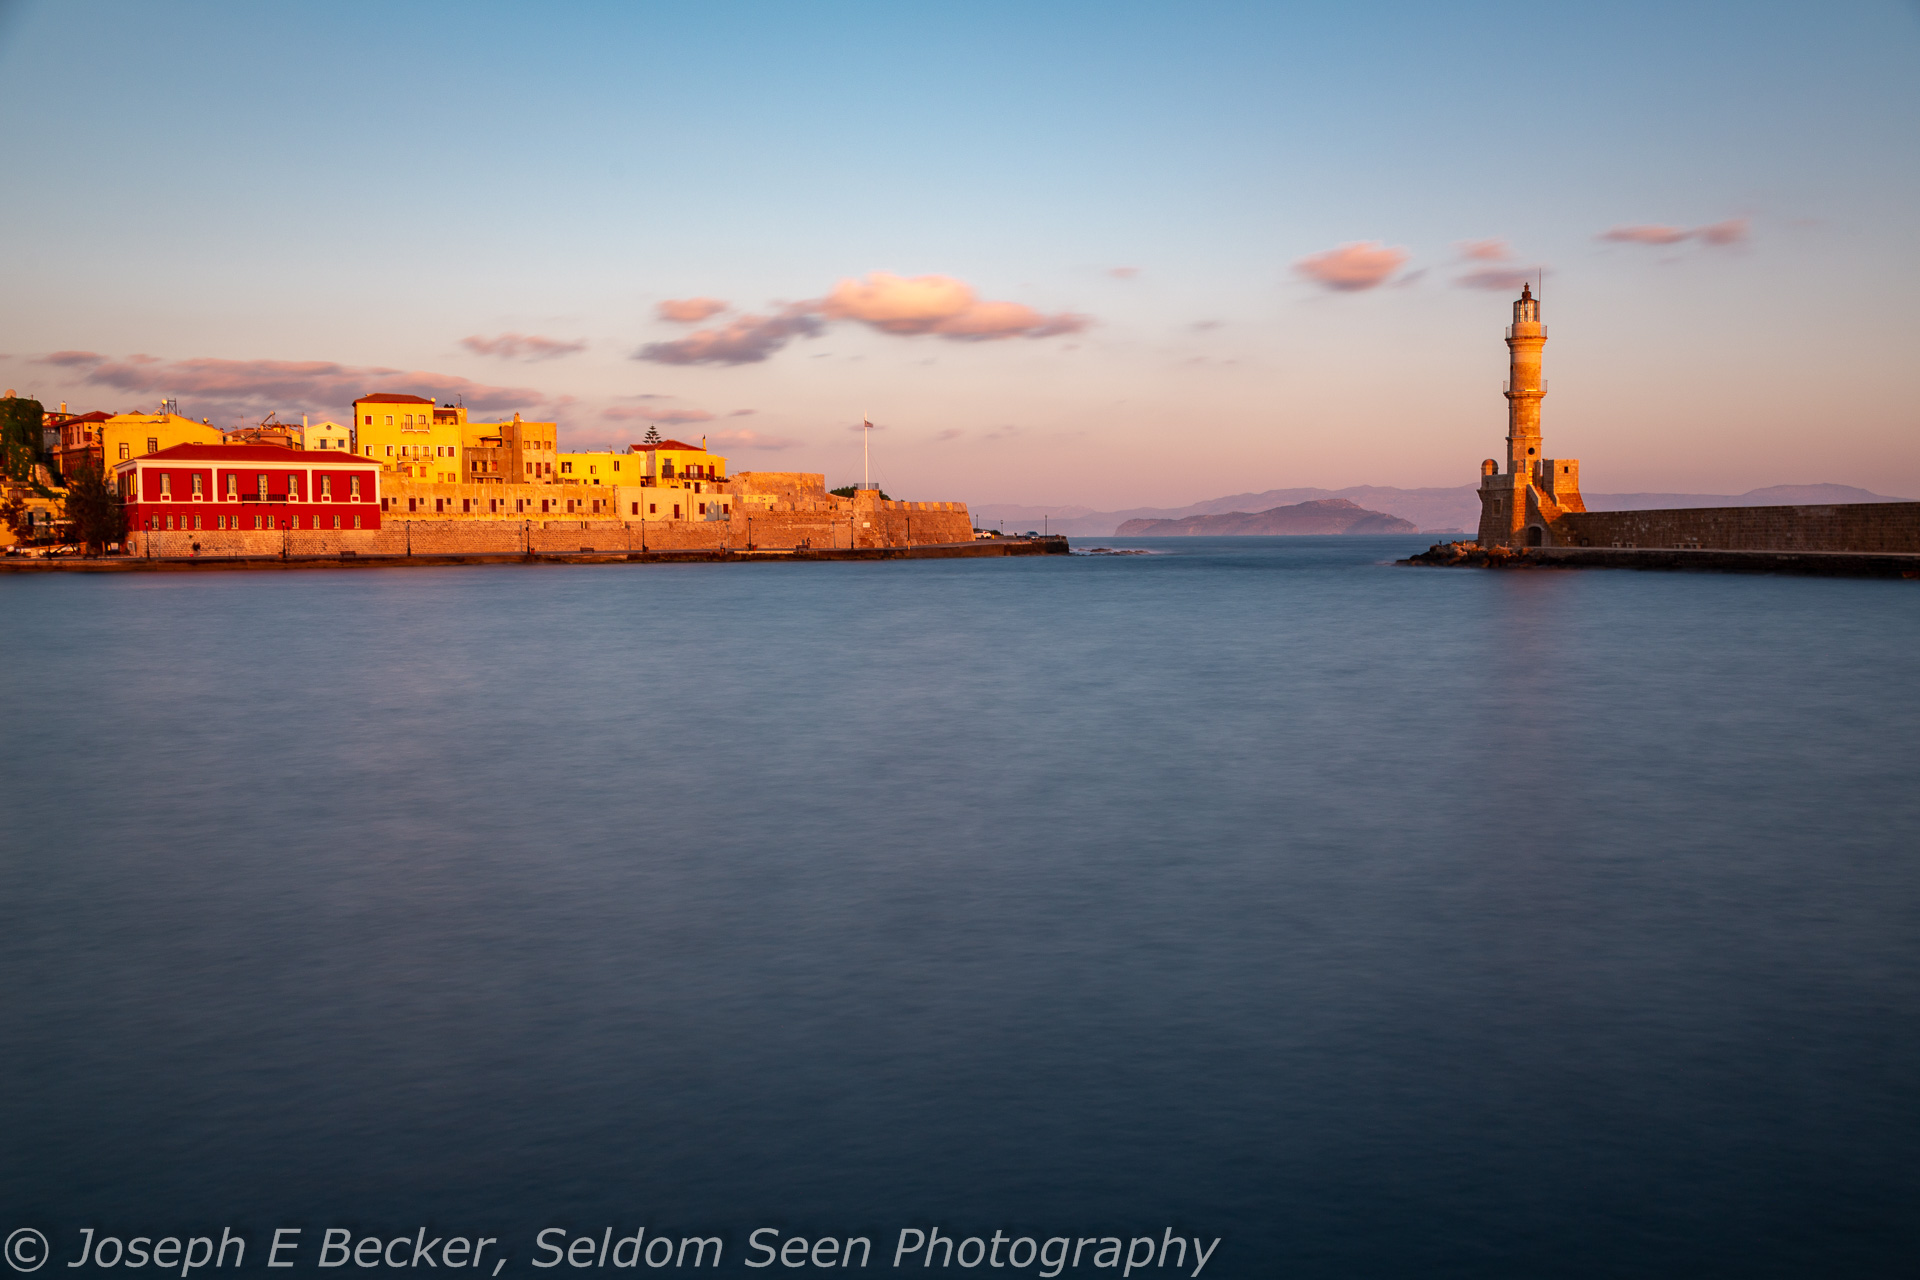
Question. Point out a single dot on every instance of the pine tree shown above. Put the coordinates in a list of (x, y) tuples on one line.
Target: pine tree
[(652, 436), (94, 512)]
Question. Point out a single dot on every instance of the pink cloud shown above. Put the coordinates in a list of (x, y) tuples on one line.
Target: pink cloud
[(1498, 279), (321, 384), (1357, 265), (1123, 273), (951, 433), (751, 440), (671, 417), (1483, 250), (1730, 231), (743, 413), (748, 340), (517, 346), (939, 305), (690, 310), (67, 359)]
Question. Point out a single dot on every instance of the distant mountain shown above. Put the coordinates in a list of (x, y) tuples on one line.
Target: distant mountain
[(1323, 515), (1448, 510)]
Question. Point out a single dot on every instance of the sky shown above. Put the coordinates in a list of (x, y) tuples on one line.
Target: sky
[(1108, 254)]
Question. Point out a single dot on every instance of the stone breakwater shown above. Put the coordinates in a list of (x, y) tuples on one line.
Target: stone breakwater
[(1824, 564)]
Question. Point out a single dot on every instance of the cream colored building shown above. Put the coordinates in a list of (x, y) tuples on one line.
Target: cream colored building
[(329, 436)]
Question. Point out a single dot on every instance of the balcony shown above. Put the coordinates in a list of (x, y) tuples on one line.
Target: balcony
[(1541, 334), (1506, 389)]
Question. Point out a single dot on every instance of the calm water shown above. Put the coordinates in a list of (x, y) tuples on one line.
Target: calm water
[(1377, 921)]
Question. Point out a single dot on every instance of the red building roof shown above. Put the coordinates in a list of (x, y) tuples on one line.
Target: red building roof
[(664, 444), (252, 453), (392, 397)]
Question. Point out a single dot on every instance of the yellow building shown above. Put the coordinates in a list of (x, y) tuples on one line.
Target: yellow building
[(516, 452), (671, 464), (409, 436), (132, 435)]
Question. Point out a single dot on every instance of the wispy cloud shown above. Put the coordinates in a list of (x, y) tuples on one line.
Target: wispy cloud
[(937, 306), (70, 359), (522, 346), (690, 310), (951, 433), (246, 385), (748, 340), (1498, 279), (942, 306), (670, 417), (1483, 250), (751, 441), (1352, 267), (1123, 273), (1728, 232)]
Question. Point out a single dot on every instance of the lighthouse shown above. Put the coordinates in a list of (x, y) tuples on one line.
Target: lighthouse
[(1518, 506)]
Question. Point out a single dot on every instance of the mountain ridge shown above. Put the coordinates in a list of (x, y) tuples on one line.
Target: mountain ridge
[(1431, 510)]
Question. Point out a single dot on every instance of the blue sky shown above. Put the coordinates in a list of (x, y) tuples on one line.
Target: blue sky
[(275, 203)]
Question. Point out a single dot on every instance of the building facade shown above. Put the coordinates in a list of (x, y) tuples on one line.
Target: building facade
[(105, 440), (254, 487), (1519, 505)]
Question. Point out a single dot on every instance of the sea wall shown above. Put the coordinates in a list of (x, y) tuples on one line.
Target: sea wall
[(1851, 527), (892, 524)]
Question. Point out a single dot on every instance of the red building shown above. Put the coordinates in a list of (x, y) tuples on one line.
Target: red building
[(248, 486)]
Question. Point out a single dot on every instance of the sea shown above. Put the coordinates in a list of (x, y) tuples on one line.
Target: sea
[(1323, 916)]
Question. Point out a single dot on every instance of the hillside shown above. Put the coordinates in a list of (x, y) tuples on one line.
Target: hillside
[(1440, 510), (1321, 516)]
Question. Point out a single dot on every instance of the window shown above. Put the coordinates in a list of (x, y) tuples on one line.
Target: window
[(233, 486), (412, 504), (153, 444), (369, 419), (543, 506), (726, 508), (126, 451), (389, 419), (566, 468), (616, 464), (636, 508), (703, 508), (198, 491), (263, 486), (466, 507), (293, 488), (256, 522), (356, 522), (653, 508), (519, 505), (166, 486), (389, 451), (676, 511), (326, 488), (528, 466), (439, 506), (355, 482)]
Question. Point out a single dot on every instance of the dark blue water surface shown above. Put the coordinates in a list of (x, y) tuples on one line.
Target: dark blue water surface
[(1377, 921)]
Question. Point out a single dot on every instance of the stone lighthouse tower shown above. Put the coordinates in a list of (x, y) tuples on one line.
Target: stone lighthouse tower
[(1518, 506)]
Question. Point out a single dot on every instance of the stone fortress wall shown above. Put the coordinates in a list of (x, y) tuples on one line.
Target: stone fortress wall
[(1880, 527), (768, 511)]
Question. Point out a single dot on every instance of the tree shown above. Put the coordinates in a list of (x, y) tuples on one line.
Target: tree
[(849, 491), (94, 510), (20, 420), (652, 436)]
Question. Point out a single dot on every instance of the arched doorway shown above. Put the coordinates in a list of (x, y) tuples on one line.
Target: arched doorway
[(1535, 535)]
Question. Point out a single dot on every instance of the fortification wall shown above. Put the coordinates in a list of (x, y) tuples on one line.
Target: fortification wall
[(892, 524), (1859, 527)]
